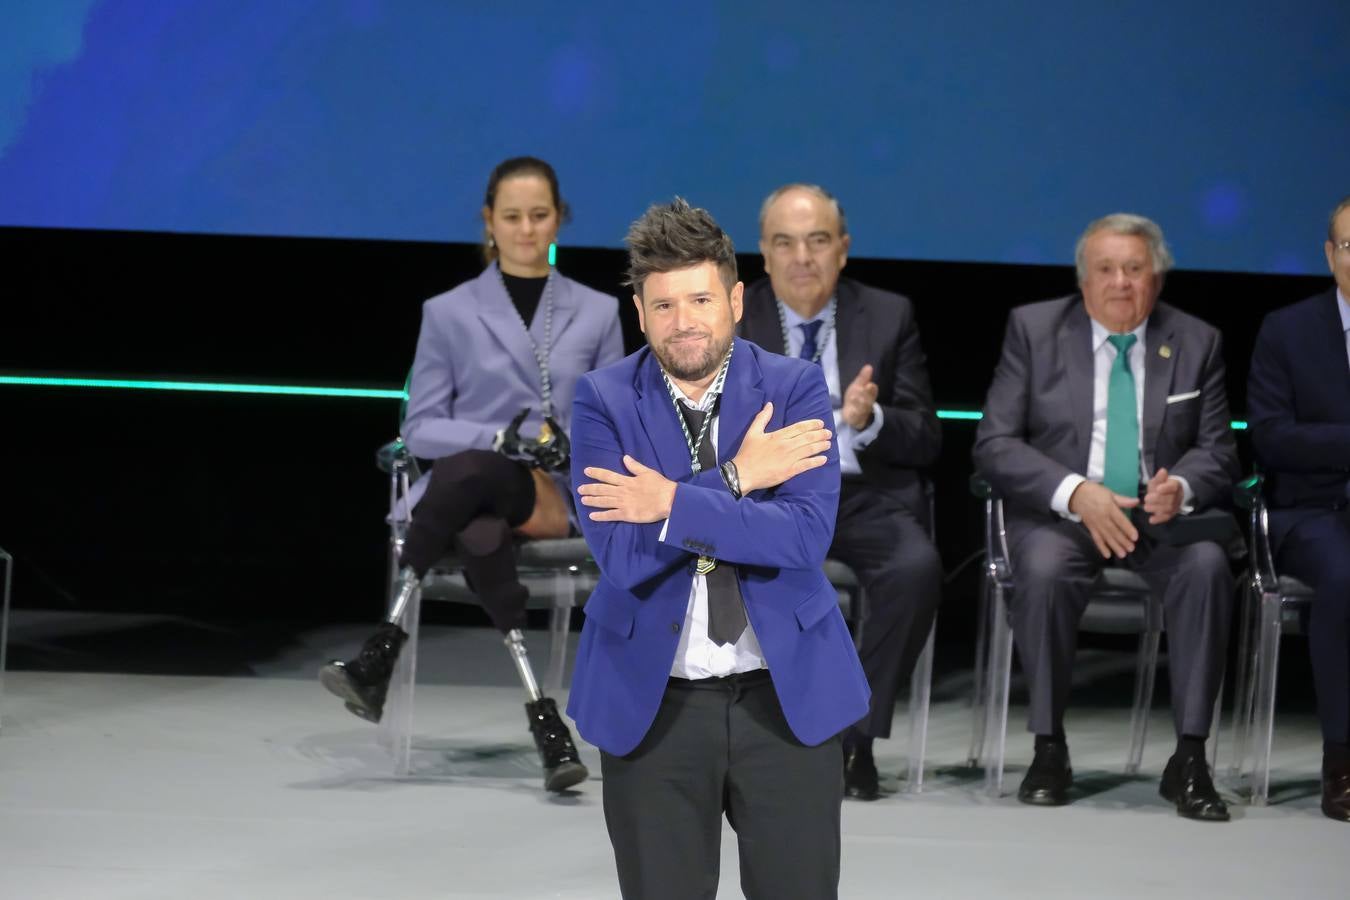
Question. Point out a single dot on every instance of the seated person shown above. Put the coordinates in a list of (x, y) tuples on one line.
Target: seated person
[(1298, 401), (1106, 419), (478, 365), (867, 342)]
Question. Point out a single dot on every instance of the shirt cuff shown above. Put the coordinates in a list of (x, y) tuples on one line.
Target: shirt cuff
[(664, 525), (869, 434), (1059, 500), (1187, 496)]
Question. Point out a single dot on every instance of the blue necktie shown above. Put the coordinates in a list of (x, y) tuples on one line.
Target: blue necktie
[(810, 330)]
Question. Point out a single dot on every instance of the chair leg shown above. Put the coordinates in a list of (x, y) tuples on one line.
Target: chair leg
[(1215, 729), (1243, 688), (920, 691), (978, 696), (559, 625), (1146, 667), (4, 624), (1267, 672), (396, 725), (999, 672)]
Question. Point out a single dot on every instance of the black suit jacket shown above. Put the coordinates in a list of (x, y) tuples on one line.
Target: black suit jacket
[(1037, 425), (877, 327), (1298, 407)]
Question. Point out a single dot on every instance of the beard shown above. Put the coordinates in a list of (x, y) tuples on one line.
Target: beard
[(692, 364)]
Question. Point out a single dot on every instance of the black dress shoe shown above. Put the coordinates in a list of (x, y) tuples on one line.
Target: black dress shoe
[(557, 753), (1186, 783), (860, 772), (363, 681), (1336, 793), (1049, 777)]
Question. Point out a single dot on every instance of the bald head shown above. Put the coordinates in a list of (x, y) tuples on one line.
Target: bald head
[(805, 245)]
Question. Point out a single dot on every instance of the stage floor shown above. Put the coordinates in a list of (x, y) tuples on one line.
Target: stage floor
[(167, 786)]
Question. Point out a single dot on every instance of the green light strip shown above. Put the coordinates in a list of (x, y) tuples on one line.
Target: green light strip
[(974, 415), (294, 390), (297, 390)]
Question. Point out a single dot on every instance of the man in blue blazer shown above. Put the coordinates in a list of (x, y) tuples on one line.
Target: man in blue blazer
[(715, 672), (1298, 402)]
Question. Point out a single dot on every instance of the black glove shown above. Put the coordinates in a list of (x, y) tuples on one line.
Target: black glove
[(551, 451)]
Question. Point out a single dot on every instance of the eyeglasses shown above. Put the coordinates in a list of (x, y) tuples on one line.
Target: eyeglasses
[(1343, 246)]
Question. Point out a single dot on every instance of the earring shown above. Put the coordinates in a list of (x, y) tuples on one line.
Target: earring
[(491, 242)]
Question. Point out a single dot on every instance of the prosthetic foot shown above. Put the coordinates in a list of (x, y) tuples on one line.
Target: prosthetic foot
[(363, 681), (562, 765), (557, 753)]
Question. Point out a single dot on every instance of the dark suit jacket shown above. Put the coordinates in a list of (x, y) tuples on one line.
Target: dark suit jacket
[(877, 327), (1298, 406), (1037, 425)]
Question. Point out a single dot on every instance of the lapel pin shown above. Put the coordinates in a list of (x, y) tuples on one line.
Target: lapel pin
[(1165, 351)]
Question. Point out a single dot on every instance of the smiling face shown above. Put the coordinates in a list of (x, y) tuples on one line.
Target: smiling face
[(523, 222), (689, 318), (1120, 287), (803, 249)]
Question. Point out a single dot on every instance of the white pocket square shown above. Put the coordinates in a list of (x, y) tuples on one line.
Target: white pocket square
[(1177, 398)]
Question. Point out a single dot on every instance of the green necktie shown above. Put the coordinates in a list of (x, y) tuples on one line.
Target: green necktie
[(1122, 422)]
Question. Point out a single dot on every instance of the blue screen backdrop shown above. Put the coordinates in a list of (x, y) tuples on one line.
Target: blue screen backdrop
[(967, 131)]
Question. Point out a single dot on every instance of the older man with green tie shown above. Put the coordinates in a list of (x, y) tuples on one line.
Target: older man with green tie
[(1105, 426)]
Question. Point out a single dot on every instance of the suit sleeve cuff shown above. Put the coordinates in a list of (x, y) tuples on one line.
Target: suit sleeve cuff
[(1187, 496), (869, 434), (1059, 500)]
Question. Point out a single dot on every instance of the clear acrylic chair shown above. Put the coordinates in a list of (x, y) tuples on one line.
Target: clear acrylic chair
[(1272, 605), (559, 574), (845, 581), (1120, 603)]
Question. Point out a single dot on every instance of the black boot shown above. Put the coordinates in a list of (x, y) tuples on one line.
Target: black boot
[(562, 765), (364, 680)]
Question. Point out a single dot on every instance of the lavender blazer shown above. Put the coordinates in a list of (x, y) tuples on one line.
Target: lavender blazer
[(474, 368)]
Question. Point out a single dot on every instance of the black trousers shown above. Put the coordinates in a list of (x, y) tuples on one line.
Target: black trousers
[(1317, 551), (723, 747), (1053, 569), (473, 500), (881, 540)]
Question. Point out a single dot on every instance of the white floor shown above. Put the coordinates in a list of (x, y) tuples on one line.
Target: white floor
[(143, 786)]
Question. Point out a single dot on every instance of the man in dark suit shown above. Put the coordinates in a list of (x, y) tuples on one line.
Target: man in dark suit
[(714, 671), (1298, 401), (1106, 420), (867, 343)]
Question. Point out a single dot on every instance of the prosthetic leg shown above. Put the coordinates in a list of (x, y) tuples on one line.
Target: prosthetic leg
[(363, 681), (485, 546), (489, 563)]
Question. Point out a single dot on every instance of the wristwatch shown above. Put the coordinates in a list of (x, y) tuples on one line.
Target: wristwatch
[(731, 477)]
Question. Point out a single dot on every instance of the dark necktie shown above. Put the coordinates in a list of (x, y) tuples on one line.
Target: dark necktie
[(810, 330), (726, 612)]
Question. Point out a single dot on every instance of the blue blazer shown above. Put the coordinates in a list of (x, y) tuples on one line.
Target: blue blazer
[(1298, 410), (777, 537), (474, 368)]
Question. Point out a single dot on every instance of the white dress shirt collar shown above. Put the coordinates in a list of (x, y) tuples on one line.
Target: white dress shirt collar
[(1100, 334)]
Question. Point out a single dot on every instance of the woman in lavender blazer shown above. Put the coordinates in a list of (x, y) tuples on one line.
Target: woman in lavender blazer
[(518, 337)]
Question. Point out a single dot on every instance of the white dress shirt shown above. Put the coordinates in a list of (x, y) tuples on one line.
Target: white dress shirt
[(697, 656), (851, 441), (1103, 358), (1344, 307)]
